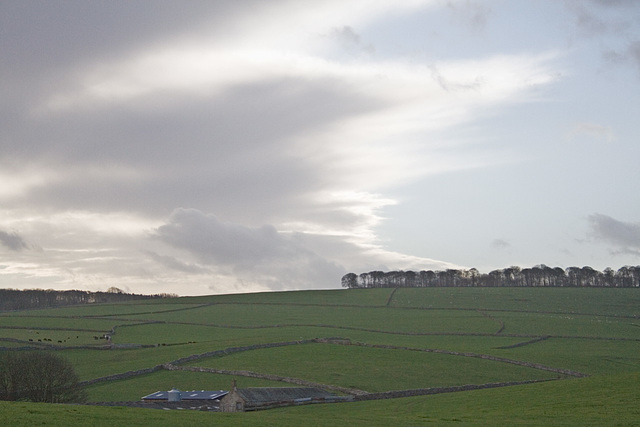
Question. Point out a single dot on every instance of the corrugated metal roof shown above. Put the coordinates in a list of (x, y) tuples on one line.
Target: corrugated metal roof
[(188, 395), (279, 394)]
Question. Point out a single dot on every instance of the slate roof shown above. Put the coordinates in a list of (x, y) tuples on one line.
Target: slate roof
[(188, 395), (280, 394)]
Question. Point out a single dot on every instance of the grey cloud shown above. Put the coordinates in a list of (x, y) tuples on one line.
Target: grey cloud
[(597, 17), (500, 244), (13, 241), (631, 53), (452, 85), (587, 21), (602, 18), (83, 29), (239, 145), (175, 264), (634, 52), (624, 236), (351, 41), (617, 3), (216, 242), (44, 44), (473, 14), (258, 254)]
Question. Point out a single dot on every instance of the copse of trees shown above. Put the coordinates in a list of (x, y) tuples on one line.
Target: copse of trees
[(537, 276), (14, 299), (38, 377)]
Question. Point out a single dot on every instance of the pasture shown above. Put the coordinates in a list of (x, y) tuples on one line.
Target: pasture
[(576, 351)]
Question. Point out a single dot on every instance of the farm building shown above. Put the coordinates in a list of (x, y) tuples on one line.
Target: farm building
[(254, 398)]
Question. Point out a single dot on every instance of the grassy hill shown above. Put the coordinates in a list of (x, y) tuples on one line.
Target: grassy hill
[(583, 344)]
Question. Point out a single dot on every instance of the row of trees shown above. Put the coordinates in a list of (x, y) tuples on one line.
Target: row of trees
[(38, 377), (540, 275), (15, 299)]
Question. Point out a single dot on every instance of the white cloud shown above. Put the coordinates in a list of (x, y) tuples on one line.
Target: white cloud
[(593, 130)]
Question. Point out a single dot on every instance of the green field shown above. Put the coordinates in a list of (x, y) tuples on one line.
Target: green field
[(407, 339)]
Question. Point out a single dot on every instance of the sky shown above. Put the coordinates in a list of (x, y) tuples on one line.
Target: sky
[(208, 147)]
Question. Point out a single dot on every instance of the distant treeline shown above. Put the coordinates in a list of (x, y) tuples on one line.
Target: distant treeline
[(538, 276), (15, 299)]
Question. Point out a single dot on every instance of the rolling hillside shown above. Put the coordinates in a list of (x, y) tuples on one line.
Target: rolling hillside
[(527, 355)]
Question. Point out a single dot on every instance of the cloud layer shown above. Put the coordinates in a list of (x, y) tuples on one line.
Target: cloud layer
[(230, 146)]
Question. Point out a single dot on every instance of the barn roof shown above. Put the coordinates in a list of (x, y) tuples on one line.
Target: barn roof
[(188, 395), (278, 394)]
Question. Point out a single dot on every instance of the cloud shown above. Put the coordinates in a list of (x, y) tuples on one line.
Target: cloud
[(112, 116), (500, 244), (593, 130), (624, 236), (264, 256), (472, 13), (628, 54), (615, 23), (175, 264), (13, 241), (350, 41), (634, 52), (216, 242), (258, 255)]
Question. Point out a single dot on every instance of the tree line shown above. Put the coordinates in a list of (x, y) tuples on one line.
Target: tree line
[(15, 299), (537, 276)]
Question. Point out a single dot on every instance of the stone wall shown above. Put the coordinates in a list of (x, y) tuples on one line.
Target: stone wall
[(438, 390)]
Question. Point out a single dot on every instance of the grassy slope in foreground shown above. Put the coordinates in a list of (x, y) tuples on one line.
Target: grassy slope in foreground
[(596, 401)]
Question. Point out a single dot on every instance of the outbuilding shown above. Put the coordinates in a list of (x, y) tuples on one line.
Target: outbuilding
[(255, 398)]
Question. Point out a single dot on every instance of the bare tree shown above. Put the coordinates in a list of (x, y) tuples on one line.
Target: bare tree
[(38, 377)]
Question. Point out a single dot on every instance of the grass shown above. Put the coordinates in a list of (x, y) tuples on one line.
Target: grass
[(596, 401), (57, 337), (567, 324), (373, 369), (95, 310), (602, 301), (58, 323), (595, 331), (215, 337), (595, 357), (380, 318), (342, 297)]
